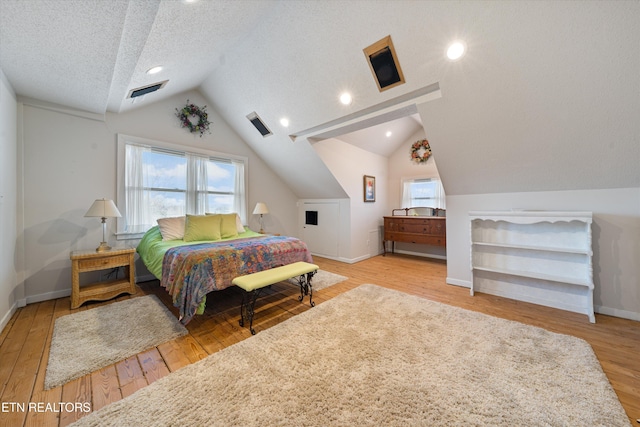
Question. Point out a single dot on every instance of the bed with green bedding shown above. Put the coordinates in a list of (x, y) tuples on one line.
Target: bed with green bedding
[(190, 270)]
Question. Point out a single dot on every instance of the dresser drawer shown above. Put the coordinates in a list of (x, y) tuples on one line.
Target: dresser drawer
[(103, 262), (424, 228), (434, 240), (416, 238)]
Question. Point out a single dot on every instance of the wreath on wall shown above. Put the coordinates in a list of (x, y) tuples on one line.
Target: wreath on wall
[(420, 151), (194, 118)]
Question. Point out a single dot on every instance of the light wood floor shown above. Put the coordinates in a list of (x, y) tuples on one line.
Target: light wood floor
[(24, 342)]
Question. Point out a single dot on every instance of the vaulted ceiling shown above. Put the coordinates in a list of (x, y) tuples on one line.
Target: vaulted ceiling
[(548, 93)]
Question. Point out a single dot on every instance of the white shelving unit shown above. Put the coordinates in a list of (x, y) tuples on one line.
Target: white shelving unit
[(542, 257)]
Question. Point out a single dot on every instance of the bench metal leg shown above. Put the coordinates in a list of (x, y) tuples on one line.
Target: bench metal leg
[(247, 308), (306, 288)]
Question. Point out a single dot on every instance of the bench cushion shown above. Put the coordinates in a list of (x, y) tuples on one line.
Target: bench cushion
[(258, 280)]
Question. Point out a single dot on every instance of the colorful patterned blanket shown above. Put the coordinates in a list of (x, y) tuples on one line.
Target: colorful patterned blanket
[(190, 272)]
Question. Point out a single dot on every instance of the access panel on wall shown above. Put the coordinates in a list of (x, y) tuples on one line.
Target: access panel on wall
[(320, 229)]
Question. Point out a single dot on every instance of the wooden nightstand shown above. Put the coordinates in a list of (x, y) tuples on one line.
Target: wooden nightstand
[(84, 261)]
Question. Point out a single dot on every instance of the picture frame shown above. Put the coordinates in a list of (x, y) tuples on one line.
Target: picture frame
[(369, 188)]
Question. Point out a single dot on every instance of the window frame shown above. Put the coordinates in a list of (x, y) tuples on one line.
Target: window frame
[(412, 179), (123, 139)]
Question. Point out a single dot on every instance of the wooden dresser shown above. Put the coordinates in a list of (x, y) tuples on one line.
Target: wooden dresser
[(427, 230)]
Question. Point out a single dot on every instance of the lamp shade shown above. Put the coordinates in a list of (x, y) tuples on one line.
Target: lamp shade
[(103, 208), (260, 209)]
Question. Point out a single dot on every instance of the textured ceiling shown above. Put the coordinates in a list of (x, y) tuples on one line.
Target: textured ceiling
[(375, 139), (62, 51), (88, 54), (548, 93)]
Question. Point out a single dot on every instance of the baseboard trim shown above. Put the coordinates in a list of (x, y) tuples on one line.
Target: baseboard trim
[(458, 282), (48, 296), (355, 260), (607, 311), (342, 259), (8, 314), (67, 292), (615, 312), (363, 257), (420, 254)]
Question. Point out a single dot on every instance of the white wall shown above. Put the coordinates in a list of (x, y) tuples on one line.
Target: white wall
[(70, 160), (400, 167), (616, 238), (158, 122), (349, 164), (11, 292), (327, 240)]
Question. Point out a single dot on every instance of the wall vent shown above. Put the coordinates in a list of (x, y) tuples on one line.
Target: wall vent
[(259, 124), (384, 64), (134, 93)]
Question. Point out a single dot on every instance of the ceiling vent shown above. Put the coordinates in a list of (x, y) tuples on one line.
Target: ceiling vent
[(259, 124), (134, 93), (384, 64)]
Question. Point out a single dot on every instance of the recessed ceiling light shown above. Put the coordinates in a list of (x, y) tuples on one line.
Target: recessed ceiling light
[(154, 70), (284, 122), (345, 98), (456, 50), (389, 133)]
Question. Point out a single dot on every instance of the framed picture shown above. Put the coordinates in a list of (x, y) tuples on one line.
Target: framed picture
[(369, 188)]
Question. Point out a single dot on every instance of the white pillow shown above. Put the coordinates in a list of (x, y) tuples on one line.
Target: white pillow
[(172, 228), (239, 225)]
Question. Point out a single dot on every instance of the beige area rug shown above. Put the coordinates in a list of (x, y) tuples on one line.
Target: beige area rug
[(86, 341), (378, 357), (323, 279)]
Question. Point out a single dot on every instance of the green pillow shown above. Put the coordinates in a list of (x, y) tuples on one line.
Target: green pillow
[(228, 228), (202, 227)]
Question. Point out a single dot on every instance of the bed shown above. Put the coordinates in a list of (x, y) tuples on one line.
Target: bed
[(189, 270)]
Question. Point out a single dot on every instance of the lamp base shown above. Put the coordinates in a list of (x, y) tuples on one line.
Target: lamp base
[(103, 247), (261, 225)]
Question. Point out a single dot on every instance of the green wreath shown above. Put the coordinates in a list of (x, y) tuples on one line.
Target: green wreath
[(192, 110), (420, 151)]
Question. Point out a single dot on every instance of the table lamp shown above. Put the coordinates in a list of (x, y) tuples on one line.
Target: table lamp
[(261, 209), (103, 208)]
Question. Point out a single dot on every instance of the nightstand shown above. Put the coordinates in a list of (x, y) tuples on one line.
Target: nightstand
[(85, 261)]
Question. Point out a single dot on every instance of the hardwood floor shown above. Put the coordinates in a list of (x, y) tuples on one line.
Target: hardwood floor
[(24, 342)]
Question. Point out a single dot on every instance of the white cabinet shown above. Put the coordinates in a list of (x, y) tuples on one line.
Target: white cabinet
[(534, 256)]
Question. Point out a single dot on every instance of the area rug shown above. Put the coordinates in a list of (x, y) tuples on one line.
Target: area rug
[(86, 341), (378, 357), (323, 279)]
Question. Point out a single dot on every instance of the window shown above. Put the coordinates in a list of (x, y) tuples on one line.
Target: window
[(423, 192), (162, 181)]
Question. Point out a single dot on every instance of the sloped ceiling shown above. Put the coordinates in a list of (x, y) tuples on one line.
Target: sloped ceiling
[(546, 98), (88, 54), (376, 140)]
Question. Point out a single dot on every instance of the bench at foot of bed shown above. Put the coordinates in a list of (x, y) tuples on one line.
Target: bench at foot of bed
[(252, 284)]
